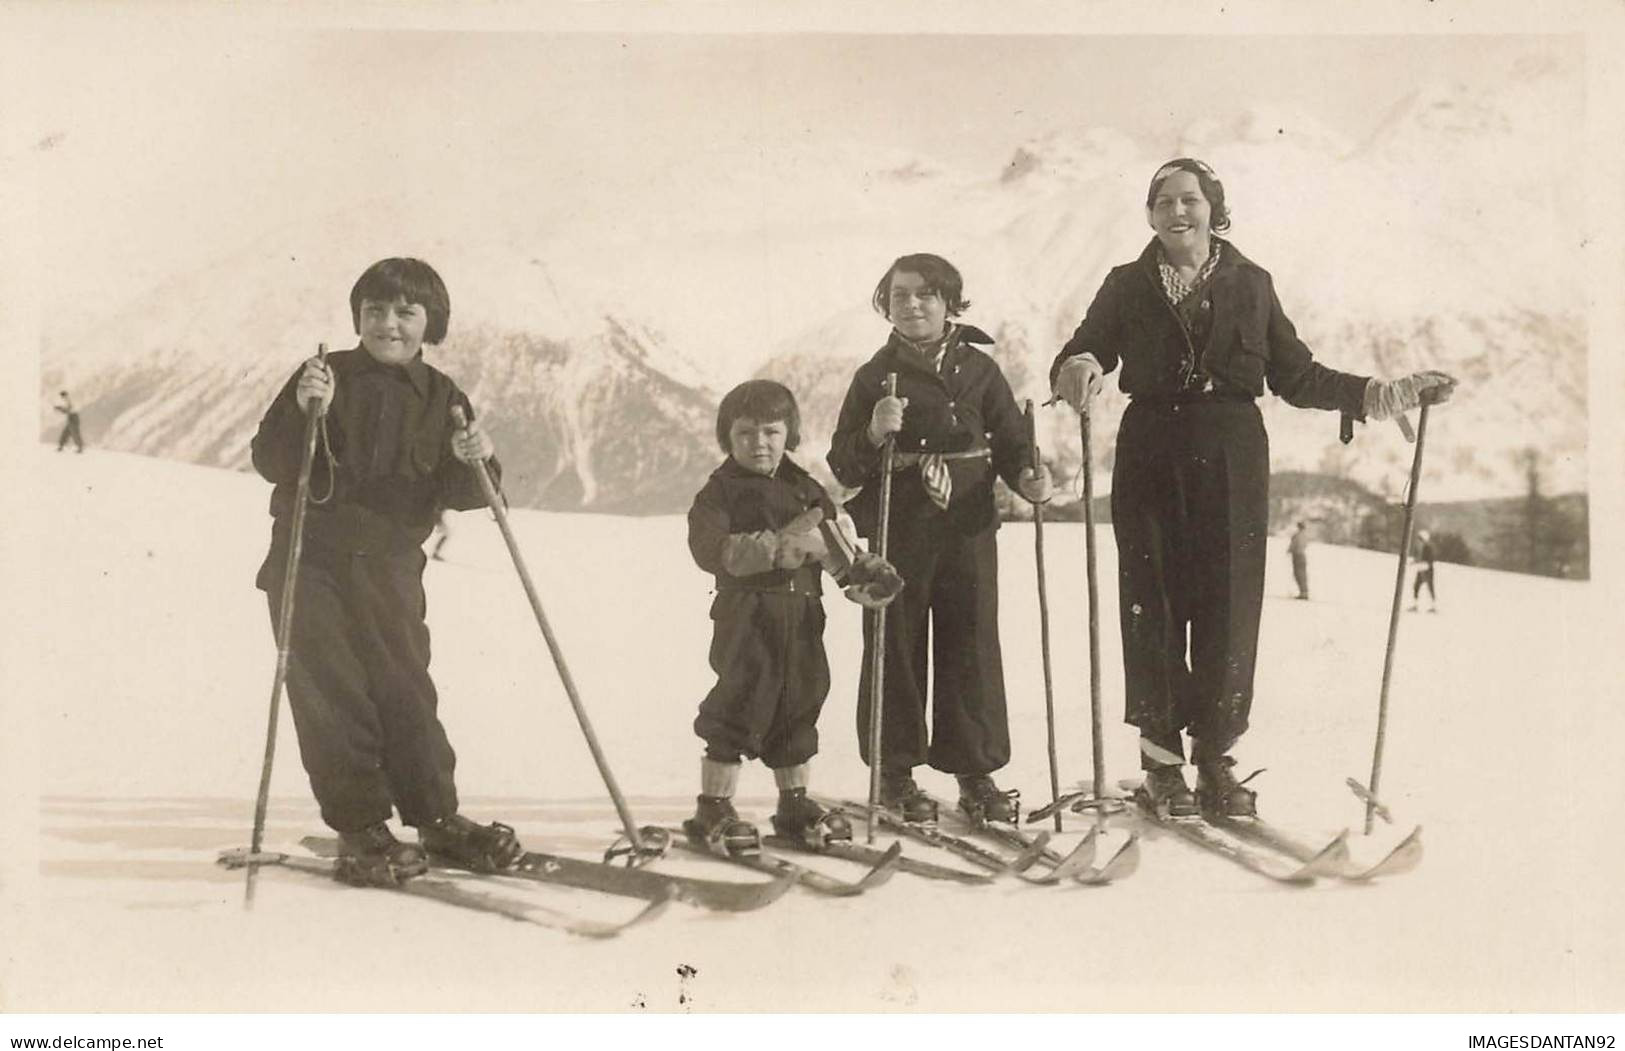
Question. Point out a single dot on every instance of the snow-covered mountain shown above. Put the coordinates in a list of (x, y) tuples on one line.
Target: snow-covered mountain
[(597, 339)]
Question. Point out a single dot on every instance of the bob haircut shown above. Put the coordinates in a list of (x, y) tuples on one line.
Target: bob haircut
[(410, 279), (1212, 189), (939, 274), (765, 401)]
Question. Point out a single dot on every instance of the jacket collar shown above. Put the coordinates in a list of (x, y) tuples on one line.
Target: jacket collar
[(1229, 259), (789, 470), (897, 354), (416, 370)]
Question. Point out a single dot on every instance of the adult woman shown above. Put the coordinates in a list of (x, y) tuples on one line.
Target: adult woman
[(956, 425), (1199, 330)]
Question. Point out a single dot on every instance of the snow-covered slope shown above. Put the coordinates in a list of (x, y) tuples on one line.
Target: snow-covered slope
[(154, 663)]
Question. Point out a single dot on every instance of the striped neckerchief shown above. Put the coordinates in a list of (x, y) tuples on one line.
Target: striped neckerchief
[(1173, 286), (934, 351)]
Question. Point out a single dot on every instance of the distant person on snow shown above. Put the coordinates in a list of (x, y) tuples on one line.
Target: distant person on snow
[(1199, 330), (1424, 573), (956, 426), (358, 675), (70, 428), (764, 527), (1298, 548)]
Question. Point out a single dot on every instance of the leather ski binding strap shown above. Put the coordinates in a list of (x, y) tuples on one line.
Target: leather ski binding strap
[(656, 841)]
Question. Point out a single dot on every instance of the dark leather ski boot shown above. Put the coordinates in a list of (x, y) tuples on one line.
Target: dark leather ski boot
[(1218, 791), (479, 848), (718, 825), (985, 801), (373, 857), (1165, 792), (805, 821), (900, 794)]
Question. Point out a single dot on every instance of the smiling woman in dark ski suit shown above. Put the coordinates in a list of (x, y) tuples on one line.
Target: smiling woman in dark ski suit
[(1198, 330), (956, 426)]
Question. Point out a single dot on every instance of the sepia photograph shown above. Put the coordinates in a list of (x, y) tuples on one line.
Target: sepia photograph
[(1102, 518)]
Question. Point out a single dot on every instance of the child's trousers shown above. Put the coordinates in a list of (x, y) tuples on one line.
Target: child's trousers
[(359, 688), (767, 648)]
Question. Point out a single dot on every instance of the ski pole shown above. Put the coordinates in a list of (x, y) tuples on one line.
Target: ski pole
[(1096, 730), (1371, 796), (1043, 621), (494, 499), (314, 410), (877, 674)]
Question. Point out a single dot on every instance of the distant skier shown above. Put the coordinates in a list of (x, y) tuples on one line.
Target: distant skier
[(764, 526), (358, 676), (1298, 547), (70, 428), (957, 427), (1424, 573), (1199, 330)]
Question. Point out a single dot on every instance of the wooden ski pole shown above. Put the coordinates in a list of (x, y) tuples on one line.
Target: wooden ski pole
[(1372, 796), (314, 410), (1037, 463), (494, 499), (877, 659), (1097, 732)]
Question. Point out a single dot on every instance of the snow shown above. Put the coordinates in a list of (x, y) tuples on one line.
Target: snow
[(150, 678)]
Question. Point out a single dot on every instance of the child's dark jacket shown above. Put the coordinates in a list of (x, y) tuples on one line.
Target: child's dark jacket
[(967, 406), (767, 645), (391, 468)]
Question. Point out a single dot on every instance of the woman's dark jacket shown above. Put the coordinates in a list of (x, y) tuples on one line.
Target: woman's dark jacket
[(1250, 341)]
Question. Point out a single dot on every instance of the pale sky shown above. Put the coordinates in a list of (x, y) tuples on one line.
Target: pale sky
[(157, 144)]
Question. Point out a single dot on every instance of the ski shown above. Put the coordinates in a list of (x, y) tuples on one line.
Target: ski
[(1061, 867), (818, 882), (871, 856), (720, 895), (1120, 865), (1403, 858), (1199, 833), (450, 892), (964, 848)]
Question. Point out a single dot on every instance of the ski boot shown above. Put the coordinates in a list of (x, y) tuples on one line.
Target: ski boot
[(803, 820), (479, 848), (1165, 791), (985, 801), (899, 793), (1218, 791), (373, 857), (718, 826)]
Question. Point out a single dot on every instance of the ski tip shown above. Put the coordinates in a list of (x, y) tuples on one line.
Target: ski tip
[(242, 857)]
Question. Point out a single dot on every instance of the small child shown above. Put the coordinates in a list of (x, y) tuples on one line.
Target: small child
[(763, 526), (358, 680)]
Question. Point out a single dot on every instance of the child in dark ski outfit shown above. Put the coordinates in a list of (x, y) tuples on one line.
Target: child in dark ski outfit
[(764, 526), (358, 681), (957, 426)]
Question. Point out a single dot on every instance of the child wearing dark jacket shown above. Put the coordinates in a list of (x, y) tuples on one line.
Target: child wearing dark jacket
[(956, 427), (764, 527), (358, 682)]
